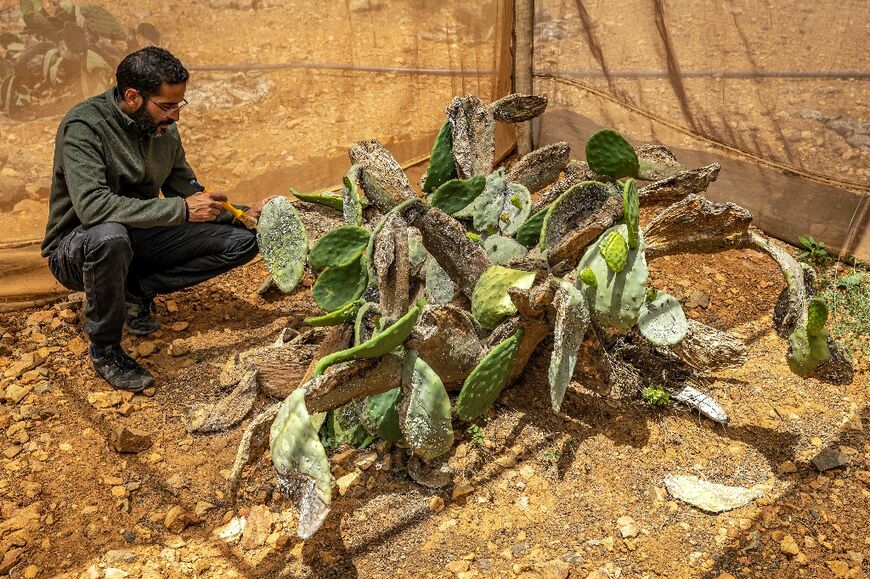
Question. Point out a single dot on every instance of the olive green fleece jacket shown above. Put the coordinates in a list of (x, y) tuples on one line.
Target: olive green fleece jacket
[(106, 169)]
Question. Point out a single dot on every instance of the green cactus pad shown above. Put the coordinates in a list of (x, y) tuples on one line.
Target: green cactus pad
[(631, 210), (614, 249), (587, 276), (817, 317), (502, 206), (807, 352), (425, 416), (490, 301), (283, 243), (615, 302), (662, 320), (503, 250), (529, 233), (342, 315), (608, 153), (440, 289), (327, 199), (339, 246), (365, 324), (352, 199), (380, 414), (572, 321), (488, 379), (338, 285), (442, 167), (571, 208), (102, 22), (455, 194), (386, 341), (296, 450)]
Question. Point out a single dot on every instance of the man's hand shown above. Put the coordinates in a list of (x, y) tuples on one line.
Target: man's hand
[(257, 207), (204, 206)]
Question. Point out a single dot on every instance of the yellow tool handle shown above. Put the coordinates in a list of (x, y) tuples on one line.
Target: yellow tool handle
[(237, 213)]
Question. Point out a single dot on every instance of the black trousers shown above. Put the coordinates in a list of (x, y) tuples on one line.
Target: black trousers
[(109, 260)]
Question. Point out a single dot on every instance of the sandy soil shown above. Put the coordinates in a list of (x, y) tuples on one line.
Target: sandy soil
[(539, 494)]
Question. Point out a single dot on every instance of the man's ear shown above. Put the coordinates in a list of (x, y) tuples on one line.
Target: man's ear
[(133, 98)]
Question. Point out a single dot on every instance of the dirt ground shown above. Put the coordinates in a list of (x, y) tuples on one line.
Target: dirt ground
[(538, 494)]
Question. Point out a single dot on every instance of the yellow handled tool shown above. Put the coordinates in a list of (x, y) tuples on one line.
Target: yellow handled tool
[(241, 216)]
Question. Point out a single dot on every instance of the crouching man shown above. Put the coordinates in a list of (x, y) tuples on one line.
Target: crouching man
[(110, 233)]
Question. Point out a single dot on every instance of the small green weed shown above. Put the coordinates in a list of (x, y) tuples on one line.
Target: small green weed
[(847, 296), (656, 396), (477, 435), (551, 456), (814, 251)]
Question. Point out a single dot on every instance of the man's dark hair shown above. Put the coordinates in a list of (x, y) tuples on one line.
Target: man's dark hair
[(147, 69)]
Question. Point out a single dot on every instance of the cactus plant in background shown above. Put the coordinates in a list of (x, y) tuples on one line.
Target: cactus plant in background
[(578, 272)]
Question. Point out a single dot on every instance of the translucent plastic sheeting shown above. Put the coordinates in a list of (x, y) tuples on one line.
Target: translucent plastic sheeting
[(776, 92), (279, 91)]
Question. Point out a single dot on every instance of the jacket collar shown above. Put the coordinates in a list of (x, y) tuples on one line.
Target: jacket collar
[(124, 120)]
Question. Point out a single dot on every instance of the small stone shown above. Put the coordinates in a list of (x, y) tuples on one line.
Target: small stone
[(119, 491), (180, 326), (436, 504), (31, 571), (627, 527), (458, 566), (788, 467), (176, 519), (12, 451), (179, 347), (460, 491), (125, 439), (838, 568), (171, 306), (366, 460), (258, 528), (829, 459), (554, 569), (15, 393), (202, 508), (149, 392), (789, 546), (146, 348), (343, 456), (103, 400), (68, 315), (114, 573), (527, 471), (346, 482), (77, 346), (65, 447)]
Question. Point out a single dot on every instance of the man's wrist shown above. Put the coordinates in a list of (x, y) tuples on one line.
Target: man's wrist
[(186, 211)]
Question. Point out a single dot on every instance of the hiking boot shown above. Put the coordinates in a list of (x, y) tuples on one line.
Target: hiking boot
[(117, 368), (140, 317)]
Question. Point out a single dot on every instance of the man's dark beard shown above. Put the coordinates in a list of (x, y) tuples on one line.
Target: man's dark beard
[(146, 124)]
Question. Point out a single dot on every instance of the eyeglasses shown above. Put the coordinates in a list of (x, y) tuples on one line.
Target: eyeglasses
[(167, 107)]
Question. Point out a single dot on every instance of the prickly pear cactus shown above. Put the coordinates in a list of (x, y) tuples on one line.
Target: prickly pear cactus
[(488, 378), (572, 321), (614, 250), (453, 195), (100, 21), (608, 153), (442, 167), (503, 250), (439, 287), (616, 301), (631, 210), (490, 301), (351, 195), (386, 341), (587, 276), (808, 345), (346, 313), (502, 206), (340, 284), (283, 243), (662, 321), (529, 233), (339, 246), (326, 199), (297, 452), (380, 416), (572, 207), (425, 412)]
